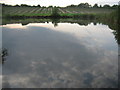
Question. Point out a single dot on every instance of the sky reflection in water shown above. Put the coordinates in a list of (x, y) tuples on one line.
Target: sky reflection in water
[(69, 55)]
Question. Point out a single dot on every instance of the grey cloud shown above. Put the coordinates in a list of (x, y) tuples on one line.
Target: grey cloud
[(45, 58)]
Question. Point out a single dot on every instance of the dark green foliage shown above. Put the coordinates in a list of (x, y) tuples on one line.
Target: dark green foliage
[(24, 5), (118, 14), (55, 21), (4, 5), (118, 35), (55, 12), (50, 6), (100, 6), (17, 5), (85, 16), (38, 6), (84, 5), (4, 54), (95, 6), (106, 6), (72, 5), (115, 6), (43, 7)]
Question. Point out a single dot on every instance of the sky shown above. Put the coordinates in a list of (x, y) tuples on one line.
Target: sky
[(58, 2)]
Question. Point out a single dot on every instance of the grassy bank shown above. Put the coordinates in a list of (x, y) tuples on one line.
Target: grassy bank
[(105, 15), (68, 15), (53, 12)]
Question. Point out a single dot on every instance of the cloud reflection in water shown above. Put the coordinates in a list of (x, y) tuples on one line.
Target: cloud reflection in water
[(56, 57)]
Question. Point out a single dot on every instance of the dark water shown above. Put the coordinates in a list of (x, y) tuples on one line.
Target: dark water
[(69, 55)]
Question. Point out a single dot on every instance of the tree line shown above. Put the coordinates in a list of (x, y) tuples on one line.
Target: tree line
[(81, 5), (87, 5)]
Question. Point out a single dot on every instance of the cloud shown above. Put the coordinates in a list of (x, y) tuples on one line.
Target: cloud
[(41, 57)]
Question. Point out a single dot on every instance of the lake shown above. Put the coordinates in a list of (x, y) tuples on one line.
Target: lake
[(68, 55)]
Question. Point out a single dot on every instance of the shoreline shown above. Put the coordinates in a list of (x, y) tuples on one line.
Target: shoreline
[(64, 16)]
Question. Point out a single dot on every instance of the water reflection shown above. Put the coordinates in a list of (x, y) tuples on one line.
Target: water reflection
[(55, 21), (4, 54), (69, 55)]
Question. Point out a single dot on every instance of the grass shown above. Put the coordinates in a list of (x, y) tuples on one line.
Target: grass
[(50, 12)]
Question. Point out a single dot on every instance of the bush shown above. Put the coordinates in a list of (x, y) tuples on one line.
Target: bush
[(55, 12)]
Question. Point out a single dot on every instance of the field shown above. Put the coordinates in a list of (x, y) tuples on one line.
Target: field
[(42, 11)]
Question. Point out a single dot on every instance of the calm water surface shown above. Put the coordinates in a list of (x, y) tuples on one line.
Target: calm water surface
[(69, 55)]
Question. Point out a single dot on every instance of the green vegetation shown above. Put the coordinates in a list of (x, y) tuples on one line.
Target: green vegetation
[(3, 54), (55, 12), (83, 10), (106, 14), (82, 15)]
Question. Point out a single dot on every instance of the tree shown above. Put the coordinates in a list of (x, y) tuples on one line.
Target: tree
[(24, 5), (84, 5), (115, 6), (95, 5), (5, 5), (100, 6), (106, 6), (17, 5), (43, 6), (55, 12), (50, 6), (38, 6), (72, 5), (87, 5)]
